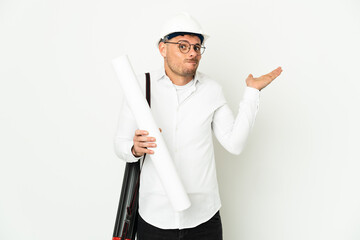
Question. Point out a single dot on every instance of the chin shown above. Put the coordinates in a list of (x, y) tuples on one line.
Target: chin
[(192, 72)]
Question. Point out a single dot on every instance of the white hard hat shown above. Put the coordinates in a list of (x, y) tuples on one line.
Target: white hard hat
[(183, 23)]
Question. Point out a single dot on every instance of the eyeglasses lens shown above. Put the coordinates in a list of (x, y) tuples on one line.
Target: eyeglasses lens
[(184, 47)]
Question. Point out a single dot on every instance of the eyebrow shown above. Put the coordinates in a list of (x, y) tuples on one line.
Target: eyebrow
[(189, 42)]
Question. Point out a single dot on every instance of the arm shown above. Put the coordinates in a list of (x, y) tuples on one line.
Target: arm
[(231, 132), (131, 143), (123, 140)]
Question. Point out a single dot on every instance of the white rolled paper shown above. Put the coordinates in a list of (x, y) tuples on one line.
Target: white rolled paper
[(161, 158)]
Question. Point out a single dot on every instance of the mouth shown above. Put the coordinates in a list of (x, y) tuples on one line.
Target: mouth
[(191, 61)]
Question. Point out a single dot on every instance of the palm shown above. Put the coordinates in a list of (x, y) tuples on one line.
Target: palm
[(261, 82)]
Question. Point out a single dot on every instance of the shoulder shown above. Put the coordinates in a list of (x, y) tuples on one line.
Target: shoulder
[(211, 89), (208, 82)]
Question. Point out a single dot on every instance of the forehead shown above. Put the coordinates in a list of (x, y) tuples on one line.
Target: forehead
[(190, 38)]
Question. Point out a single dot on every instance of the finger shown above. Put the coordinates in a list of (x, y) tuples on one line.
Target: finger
[(275, 73), (268, 77), (141, 151), (147, 145), (144, 139), (139, 132), (160, 129)]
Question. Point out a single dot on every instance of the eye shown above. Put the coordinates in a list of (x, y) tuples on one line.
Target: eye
[(197, 48), (183, 46)]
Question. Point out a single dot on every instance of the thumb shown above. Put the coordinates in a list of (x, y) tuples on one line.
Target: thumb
[(249, 78)]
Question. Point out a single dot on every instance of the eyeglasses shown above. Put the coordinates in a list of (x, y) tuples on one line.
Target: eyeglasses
[(185, 46)]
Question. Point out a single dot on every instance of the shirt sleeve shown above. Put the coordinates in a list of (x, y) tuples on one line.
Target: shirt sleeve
[(123, 140), (231, 132)]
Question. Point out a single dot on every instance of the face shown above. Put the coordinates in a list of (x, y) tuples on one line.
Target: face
[(178, 63)]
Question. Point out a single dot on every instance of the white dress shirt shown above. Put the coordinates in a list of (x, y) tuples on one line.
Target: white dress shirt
[(187, 120)]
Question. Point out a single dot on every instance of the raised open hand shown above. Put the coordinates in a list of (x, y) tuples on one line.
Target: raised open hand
[(261, 82)]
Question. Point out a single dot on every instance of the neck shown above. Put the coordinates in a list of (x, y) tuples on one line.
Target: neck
[(178, 79)]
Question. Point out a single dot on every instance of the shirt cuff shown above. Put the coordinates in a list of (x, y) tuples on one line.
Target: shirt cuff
[(132, 158), (124, 152), (251, 94)]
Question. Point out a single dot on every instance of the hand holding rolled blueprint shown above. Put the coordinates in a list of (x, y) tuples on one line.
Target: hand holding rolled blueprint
[(162, 161)]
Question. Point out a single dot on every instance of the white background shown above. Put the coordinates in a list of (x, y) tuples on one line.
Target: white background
[(297, 179)]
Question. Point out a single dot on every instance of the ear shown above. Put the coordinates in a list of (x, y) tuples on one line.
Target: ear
[(162, 49)]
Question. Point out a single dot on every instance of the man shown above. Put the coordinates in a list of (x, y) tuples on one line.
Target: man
[(188, 106)]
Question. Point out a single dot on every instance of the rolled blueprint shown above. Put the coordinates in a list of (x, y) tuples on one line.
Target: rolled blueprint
[(161, 159)]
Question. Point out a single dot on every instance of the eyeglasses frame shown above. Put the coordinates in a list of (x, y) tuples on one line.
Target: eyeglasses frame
[(202, 48)]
